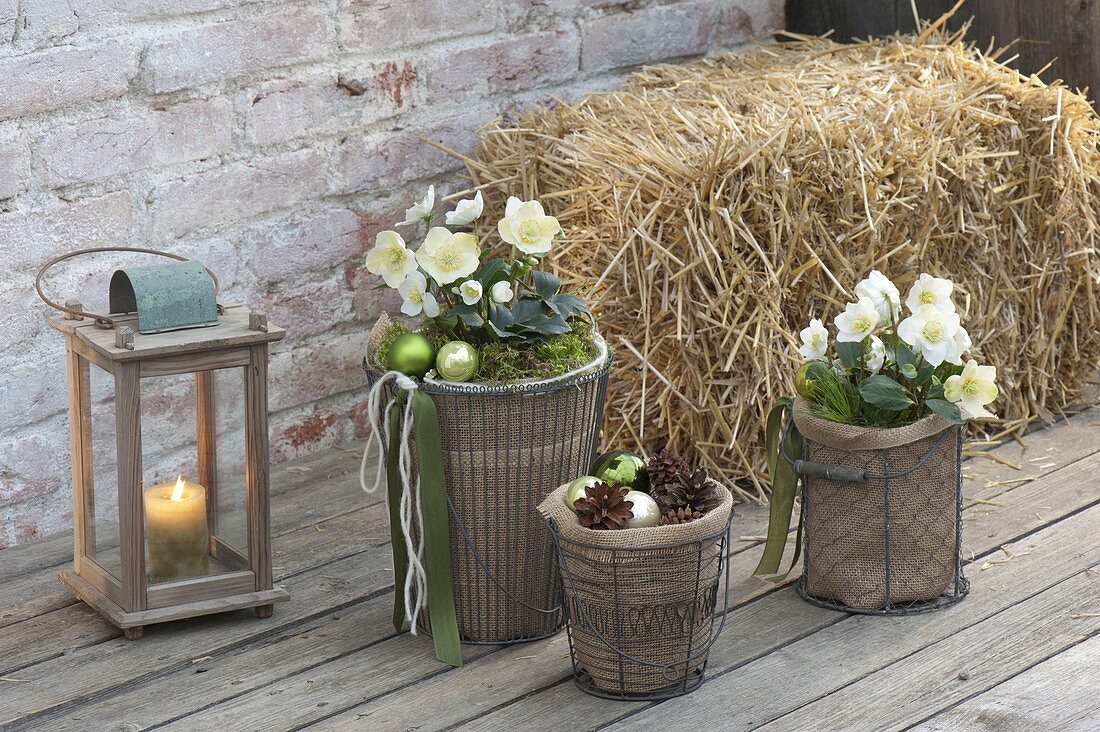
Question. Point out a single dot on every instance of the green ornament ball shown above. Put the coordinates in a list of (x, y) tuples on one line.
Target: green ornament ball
[(807, 375), (576, 489), (621, 468), (456, 361), (412, 354), (646, 511)]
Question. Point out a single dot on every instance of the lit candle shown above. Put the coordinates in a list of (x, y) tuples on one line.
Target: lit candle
[(175, 529)]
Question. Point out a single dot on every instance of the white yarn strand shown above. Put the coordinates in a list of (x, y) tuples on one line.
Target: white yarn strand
[(409, 510)]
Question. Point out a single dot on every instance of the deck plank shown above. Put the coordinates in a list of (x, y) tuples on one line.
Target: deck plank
[(973, 660), (514, 677), (1057, 694)]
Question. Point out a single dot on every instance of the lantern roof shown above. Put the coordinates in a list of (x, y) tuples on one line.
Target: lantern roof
[(233, 330)]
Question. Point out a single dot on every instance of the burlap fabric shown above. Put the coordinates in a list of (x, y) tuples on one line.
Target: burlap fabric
[(908, 523), (504, 449), (640, 602)]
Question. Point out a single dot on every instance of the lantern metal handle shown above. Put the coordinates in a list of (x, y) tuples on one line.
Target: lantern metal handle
[(103, 321)]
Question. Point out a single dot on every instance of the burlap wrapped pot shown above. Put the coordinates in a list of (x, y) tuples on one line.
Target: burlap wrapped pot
[(640, 602), (889, 543), (504, 449)]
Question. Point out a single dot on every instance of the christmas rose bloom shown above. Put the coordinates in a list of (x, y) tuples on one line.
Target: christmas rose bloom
[(527, 227), (972, 389), (858, 321), (931, 332), (502, 293), (467, 211), (470, 291), (876, 355), (882, 292), (815, 341), (417, 299), (390, 258), (929, 290), (448, 257), (422, 209)]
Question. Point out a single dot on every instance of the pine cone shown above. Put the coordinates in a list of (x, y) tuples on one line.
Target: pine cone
[(679, 516), (665, 469), (603, 507), (702, 493)]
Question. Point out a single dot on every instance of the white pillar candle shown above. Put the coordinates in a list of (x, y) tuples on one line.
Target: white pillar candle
[(175, 530)]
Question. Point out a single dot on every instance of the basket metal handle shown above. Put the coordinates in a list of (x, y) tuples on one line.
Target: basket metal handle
[(103, 321), (669, 671)]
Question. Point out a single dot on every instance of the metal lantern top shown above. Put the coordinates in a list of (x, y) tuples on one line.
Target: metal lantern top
[(166, 296), (173, 307)]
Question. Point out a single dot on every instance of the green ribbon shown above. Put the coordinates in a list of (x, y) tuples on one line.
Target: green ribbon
[(784, 490), (436, 526)]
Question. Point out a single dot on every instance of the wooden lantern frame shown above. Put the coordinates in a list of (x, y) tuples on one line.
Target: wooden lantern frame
[(240, 339)]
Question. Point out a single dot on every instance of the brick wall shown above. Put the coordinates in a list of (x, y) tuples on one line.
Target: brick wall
[(271, 141)]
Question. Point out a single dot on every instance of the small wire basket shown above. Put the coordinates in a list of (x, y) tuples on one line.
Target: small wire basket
[(881, 527), (504, 448), (642, 616)]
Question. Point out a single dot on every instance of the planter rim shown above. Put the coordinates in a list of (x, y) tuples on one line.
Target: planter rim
[(854, 438), (592, 370)]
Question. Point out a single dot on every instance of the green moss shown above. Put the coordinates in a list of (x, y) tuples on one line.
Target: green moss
[(506, 361)]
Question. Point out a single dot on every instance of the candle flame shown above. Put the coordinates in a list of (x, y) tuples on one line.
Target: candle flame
[(177, 494)]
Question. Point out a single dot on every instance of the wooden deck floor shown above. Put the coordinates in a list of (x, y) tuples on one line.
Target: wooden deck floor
[(1022, 652)]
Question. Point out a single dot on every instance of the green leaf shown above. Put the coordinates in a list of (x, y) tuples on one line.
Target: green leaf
[(784, 490), (909, 371), (904, 355), (935, 392), (849, 352), (468, 314), (545, 284), (884, 392), (491, 272), (946, 409), (568, 306)]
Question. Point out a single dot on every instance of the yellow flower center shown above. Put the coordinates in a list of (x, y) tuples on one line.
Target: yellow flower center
[(448, 258), (415, 296), (932, 332), (927, 298), (862, 324), (971, 387), (528, 231), (395, 257), (815, 340)]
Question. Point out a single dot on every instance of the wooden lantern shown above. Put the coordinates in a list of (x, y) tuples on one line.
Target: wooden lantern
[(169, 555)]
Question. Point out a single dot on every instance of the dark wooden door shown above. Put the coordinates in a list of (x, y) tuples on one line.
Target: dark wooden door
[(1065, 30)]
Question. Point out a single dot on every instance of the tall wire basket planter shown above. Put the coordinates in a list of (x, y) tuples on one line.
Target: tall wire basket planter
[(881, 515), (504, 448), (642, 605)]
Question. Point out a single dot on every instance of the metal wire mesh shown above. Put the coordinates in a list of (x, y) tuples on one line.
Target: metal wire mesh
[(891, 543), (504, 449), (642, 619)]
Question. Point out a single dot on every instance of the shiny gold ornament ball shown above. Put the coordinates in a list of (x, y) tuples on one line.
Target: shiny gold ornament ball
[(412, 354), (646, 511), (456, 361), (576, 489)]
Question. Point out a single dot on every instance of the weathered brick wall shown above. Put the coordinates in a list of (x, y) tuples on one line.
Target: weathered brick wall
[(271, 141)]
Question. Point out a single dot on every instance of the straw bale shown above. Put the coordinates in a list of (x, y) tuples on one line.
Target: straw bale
[(710, 209)]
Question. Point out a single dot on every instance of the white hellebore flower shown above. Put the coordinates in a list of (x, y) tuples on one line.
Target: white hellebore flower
[(527, 227), (417, 299), (882, 292), (467, 211), (929, 290), (876, 355), (972, 389), (502, 293), (421, 209), (962, 344), (390, 258), (931, 332), (857, 321), (470, 291), (448, 257), (815, 341)]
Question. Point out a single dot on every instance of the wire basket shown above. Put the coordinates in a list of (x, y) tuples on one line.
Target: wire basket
[(641, 604), (504, 449), (881, 527)]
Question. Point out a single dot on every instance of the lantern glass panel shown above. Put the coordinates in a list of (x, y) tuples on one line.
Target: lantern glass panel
[(100, 460), (193, 475)]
